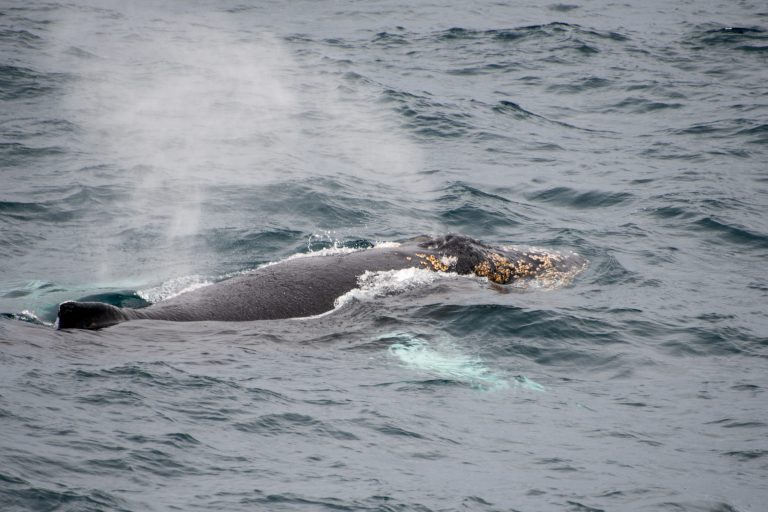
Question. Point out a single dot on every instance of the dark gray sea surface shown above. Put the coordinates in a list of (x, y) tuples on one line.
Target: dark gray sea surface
[(148, 148)]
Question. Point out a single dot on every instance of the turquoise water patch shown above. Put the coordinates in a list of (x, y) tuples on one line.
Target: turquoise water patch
[(447, 361)]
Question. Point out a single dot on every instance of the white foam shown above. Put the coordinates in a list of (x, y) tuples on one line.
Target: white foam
[(336, 249), (328, 251), (372, 285), (30, 316), (174, 287), (382, 245)]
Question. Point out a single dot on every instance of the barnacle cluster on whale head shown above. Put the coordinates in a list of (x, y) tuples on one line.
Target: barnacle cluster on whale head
[(501, 265)]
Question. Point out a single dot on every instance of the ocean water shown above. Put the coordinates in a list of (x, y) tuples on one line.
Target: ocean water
[(147, 148)]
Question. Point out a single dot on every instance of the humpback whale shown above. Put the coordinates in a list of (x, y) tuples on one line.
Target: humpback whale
[(307, 286)]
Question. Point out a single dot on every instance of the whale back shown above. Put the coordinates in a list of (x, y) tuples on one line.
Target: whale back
[(309, 285), (298, 287)]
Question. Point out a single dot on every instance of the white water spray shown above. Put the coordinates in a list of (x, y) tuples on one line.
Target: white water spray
[(170, 109)]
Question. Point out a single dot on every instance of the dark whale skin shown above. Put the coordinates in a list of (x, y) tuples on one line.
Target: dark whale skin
[(296, 287), (307, 286)]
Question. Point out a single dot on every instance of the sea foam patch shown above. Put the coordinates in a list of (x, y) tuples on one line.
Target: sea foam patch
[(372, 285), (174, 287)]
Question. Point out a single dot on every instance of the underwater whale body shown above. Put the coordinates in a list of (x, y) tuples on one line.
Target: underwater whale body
[(307, 286)]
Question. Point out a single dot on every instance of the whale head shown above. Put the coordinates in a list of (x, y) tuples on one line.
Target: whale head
[(504, 265)]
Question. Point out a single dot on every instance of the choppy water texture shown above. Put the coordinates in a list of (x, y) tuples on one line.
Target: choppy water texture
[(146, 148)]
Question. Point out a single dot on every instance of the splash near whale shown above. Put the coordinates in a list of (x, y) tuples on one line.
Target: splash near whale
[(307, 286)]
